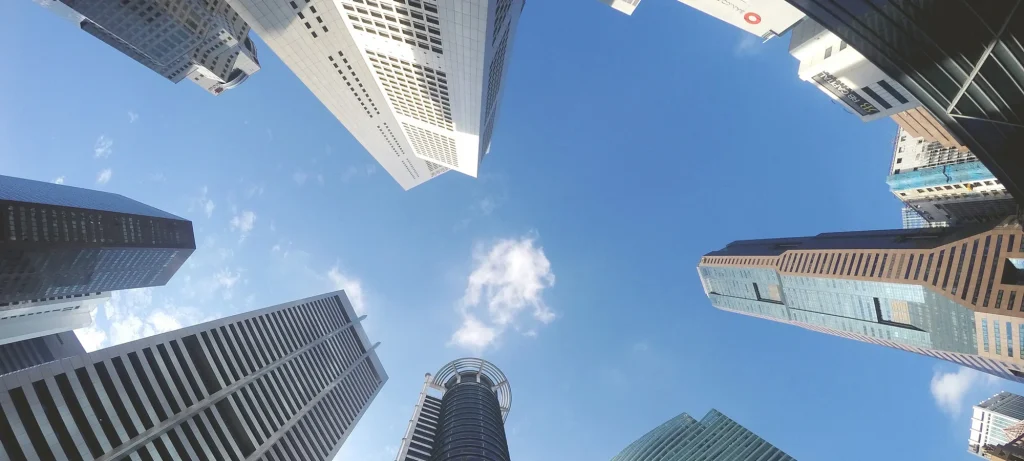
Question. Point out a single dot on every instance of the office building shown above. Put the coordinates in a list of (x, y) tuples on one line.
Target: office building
[(460, 414), (845, 75), (417, 82), (990, 420), (763, 18), (62, 241), (714, 437), (281, 383), (28, 353), (971, 81), (944, 185), (913, 220), (953, 293), (920, 123), (21, 320), (203, 41)]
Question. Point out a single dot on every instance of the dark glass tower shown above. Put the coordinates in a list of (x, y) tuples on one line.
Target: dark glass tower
[(60, 240), (959, 58), (466, 421)]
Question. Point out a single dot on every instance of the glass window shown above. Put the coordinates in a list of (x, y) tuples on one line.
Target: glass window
[(1009, 339), (984, 333), (999, 341)]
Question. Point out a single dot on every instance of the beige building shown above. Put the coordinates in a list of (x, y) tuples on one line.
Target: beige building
[(921, 124)]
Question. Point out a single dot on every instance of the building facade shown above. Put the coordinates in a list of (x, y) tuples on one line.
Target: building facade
[(991, 419), (281, 383), (467, 389), (714, 437), (36, 351), (913, 220), (845, 75), (952, 293), (945, 185), (417, 82), (763, 18), (203, 41), (21, 320), (972, 81), (58, 240), (920, 123)]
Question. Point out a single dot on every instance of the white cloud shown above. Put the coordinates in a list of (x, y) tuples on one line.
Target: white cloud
[(487, 206), (300, 177), (353, 287), (132, 117), (641, 346), (509, 279), (103, 147), (104, 176), (92, 337), (59, 180), (208, 207), (950, 389), (203, 203), (225, 281), (243, 223), (474, 334), (254, 191), (320, 179)]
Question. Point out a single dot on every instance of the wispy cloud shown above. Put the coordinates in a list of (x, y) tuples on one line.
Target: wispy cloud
[(59, 180), (352, 286), (642, 346), (950, 389), (509, 280), (748, 45), (132, 116), (104, 147), (132, 314), (243, 223), (300, 177), (104, 176)]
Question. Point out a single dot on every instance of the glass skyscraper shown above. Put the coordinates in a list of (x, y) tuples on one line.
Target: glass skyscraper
[(58, 240), (714, 437), (996, 421), (953, 293), (460, 415)]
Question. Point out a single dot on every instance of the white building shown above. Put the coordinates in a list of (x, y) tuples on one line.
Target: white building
[(203, 41), (991, 417), (845, 75), (288, 382), (763, 18), (944, 185), (35, 318), (416, 82)]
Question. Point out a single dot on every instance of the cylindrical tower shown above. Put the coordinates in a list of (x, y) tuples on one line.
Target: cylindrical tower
[(475, 403)]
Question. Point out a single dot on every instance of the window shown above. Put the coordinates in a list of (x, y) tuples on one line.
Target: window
[(999, 339), (981, 271), (892, 91), (828, 52), (938, 268), (1009, 339), (881, 101), (1020, 334), (999, 299), (984, 333), (899, 160)]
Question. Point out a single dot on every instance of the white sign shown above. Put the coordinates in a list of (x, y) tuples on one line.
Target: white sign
[(759, 17)]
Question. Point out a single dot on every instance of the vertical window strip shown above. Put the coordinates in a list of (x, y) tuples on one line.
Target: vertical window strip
[(928, 267), (1009, 246), (992, 273), (892, 264), (999, 339), (881, 268), (938, 267), (1009, 302), (1009, 339), (910, 265), (917, 271), (970, 269), (984, 333), (999, 299), (860, 261), (981, 270)]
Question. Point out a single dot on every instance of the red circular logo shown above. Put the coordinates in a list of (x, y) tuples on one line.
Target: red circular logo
[(752, 18)]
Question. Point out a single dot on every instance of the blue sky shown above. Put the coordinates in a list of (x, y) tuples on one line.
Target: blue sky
[(626, 148)]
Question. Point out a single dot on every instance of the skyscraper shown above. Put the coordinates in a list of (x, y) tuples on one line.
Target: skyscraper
[(920, 123), (38, 350), (30, 319), (845, 75), (954, 293), (281, 383), (971, 81), (461, 411), (913, 220), (945, 185), (417, 82), (763, 18), (991, 418), (203, 41), (61, 241), (714, 437)]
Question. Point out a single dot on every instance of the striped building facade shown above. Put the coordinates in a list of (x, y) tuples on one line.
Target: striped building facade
[(714, 437), (288, 382), (955, 293)]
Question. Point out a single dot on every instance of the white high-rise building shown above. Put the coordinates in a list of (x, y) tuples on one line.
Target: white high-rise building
[(763, 18), (40, 317), (991, 417), (845, 75), (416, 82)]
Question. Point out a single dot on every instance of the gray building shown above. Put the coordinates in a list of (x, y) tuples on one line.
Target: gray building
[(58, 240), (37, 351), (996, 421), (282, 383), (460, 415), (714, 437), (204, 41)]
